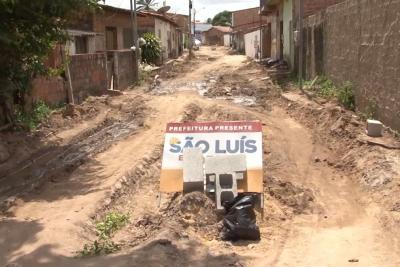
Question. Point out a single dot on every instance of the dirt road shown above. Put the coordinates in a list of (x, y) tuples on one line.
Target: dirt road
[(317, 210)]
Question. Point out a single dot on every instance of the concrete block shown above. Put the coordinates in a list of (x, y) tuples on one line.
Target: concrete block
[(374, 128), (193, 170), (227, 163), (222, 174)]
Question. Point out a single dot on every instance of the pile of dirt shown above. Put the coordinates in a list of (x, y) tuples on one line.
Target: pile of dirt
[(197, 213), (220, 113), (191, 112), (299, 199)]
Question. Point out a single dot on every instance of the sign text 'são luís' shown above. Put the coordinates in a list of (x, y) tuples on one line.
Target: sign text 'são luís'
[(214, 138)]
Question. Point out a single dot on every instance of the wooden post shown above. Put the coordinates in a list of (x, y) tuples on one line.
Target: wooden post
[(70, 89)]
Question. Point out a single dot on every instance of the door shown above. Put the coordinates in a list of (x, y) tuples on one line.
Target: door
[(111, 38)]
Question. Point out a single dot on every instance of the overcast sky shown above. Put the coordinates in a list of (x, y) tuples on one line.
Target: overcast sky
[(204, 8)]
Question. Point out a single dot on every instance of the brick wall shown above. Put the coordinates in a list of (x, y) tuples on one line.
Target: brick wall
[(360, 43), (246, 19), (124, 72), (214, 37), (88, 75), (313, 6), (51, 90)]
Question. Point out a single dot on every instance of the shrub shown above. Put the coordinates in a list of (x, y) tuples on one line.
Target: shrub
[(105, 230), (346, 96), (32, 119), (151, 51)]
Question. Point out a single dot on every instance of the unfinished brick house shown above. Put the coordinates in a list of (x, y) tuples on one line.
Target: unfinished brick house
[(242, 22), (282, 16), (216, 35)]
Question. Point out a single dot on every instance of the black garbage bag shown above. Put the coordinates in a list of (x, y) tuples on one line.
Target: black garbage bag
[(240, 219)]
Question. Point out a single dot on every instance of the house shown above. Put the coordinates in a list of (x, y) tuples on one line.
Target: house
[(198, 29), (165, 28), (243, 21), (283, 17), (252, 41), (216, 35), (183, 24)]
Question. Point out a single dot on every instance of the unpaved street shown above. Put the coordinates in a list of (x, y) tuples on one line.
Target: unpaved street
[(330, 199)]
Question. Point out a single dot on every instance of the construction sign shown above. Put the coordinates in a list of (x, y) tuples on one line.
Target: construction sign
[(214, 138)]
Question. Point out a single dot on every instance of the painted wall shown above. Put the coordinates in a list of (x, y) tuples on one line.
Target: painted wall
[(227, 40), (252, 44)]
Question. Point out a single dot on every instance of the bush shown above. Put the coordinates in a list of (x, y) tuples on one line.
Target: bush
[(151, 51), (105, 230), (31, 120), (346, 96)]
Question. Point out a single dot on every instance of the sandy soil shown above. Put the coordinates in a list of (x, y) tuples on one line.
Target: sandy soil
[(330, 199)]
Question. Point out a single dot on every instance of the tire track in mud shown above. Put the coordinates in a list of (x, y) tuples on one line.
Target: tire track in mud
[(55, 162)]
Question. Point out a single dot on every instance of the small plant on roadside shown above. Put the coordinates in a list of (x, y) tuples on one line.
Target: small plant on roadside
[(32, 119), (105, 230), (151, 51), (346, 96)]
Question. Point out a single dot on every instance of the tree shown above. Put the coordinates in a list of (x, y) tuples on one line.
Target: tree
[(223, 18), (146, 4), (209, 20), (28, 32)]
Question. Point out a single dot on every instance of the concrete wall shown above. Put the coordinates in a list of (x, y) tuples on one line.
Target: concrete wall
[(124, 72), (88, 75), (252, 44), (227, 40), (360, 41), (288, 46)]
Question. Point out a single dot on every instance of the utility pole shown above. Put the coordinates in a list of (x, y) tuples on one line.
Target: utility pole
[(301, 15), (190, 30), (135, 35), (194, 24)]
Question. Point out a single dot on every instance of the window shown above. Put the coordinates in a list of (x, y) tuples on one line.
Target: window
[(81, 45)]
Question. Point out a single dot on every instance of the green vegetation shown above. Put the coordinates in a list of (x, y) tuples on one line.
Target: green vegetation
[(146, 4), (32, 119), (151, 51), (29, 30), (105, 230), (325, 88), (223, 18)]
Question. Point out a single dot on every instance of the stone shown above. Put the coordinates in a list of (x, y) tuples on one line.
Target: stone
[(374, 128)]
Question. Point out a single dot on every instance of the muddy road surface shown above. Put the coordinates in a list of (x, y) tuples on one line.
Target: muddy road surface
[(331, 199)]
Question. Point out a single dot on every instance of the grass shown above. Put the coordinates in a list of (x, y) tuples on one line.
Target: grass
[(31, 120), (325, 88), (105, 230)]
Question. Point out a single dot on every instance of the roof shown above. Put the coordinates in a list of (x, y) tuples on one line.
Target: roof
[(221, 29), (202, 27), (80, 33), (245, 9), (117, 9), (159, 16)]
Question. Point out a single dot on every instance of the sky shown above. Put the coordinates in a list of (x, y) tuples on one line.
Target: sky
[(204, 8)]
